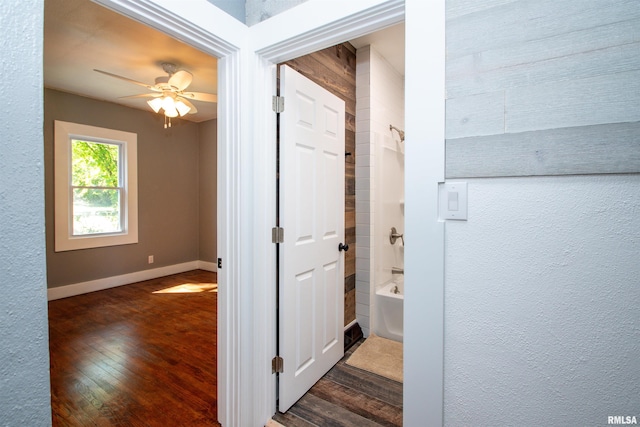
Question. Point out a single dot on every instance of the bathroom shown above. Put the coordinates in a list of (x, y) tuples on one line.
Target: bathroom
[(380, 188)]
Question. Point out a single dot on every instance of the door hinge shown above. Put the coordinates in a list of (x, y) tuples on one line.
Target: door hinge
[(277, 365), (277, 103), (277, 235)]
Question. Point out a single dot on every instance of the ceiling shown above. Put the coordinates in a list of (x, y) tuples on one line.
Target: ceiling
[(80, 36), (389, 43)]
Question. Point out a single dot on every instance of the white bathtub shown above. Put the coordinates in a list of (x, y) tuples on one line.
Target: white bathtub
[(389, 310)]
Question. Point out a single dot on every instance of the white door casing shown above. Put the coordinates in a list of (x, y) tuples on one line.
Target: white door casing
[(289, 35), (311, 309)]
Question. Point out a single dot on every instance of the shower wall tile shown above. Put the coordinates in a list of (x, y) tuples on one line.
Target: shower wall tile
[(379, 103), (362, 151), (361, 206), (362, 194), (363, 184), (361, 173), (362, 309), (362, 118), (364, 161), (363, 136), (363, 218), (363, 276), (362, 86), (362, 263)]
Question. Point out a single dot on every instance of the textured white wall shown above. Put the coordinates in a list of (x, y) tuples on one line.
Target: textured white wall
[(542, 295), (24, 352), (542, 302)]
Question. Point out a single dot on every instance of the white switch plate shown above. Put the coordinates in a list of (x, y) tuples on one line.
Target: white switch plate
[(453, 200)]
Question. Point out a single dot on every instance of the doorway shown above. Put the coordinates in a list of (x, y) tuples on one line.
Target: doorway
[(248, 339), (335, 69), (177, 190)]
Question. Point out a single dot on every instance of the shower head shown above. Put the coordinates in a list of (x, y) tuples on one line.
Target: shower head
[(400, 132)]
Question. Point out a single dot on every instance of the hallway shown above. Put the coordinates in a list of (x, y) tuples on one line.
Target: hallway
[(347, 396)]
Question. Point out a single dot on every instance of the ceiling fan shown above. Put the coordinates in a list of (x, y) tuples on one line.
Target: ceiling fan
[(168, 92)]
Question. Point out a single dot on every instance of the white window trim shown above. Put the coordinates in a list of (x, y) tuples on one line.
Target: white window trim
[(65, 132)]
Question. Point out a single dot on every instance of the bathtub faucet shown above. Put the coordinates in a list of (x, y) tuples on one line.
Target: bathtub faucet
[(396, 270)]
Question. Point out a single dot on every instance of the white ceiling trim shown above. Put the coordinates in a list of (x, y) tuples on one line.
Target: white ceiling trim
[(201, 24), (310, 35)]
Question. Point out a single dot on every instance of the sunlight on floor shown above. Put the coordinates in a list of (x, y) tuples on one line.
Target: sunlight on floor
[(189, 288)]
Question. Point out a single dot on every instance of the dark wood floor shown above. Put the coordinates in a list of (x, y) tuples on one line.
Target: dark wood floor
[(130, 357), (347, 397)]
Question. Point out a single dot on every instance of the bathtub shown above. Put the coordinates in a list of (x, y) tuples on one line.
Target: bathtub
[(389, 310)]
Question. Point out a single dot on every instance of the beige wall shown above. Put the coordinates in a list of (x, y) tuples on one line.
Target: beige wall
[(208, 190), (169, 164)]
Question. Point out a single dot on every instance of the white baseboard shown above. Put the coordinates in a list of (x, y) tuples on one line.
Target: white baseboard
[(353, 322), (209, 266), (126, 279)]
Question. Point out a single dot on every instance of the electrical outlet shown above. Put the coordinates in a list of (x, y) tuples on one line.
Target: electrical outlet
[(150, 259)]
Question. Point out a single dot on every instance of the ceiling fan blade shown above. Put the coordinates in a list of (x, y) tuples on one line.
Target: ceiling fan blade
[(192, 107), (126, 79), (142, 95), (180, 79), (201, 96)]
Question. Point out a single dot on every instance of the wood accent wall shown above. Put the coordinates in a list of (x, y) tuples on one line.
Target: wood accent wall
[(334, 68), (557, 99)]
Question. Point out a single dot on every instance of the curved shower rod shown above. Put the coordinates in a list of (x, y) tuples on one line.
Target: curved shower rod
[(400, 132)]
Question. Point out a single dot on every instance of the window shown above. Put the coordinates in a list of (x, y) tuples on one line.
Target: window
[(95, 187)]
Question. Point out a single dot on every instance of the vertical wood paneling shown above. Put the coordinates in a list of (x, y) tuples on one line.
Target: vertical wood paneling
[(334, 69)]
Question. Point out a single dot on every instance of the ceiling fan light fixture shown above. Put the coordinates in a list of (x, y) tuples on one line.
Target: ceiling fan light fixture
[(171, 112), (182, 107), (155, 104), (169, 107), (169, 95)]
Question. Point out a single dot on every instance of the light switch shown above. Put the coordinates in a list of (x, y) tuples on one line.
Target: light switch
[(453, 200)]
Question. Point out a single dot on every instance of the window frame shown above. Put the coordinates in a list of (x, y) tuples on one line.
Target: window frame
[(64, 134)]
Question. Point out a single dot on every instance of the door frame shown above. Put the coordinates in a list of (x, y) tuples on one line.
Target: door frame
[(246, 183)]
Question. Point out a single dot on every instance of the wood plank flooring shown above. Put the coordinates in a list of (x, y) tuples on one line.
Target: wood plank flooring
[(347, 397), (129, 357)]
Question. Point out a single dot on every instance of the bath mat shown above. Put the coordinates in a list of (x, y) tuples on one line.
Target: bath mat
[(380, 356)]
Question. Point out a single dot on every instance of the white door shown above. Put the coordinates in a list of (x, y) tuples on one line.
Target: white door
[(311, 306)]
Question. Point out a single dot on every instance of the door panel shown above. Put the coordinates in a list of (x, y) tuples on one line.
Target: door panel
[(311, 310)]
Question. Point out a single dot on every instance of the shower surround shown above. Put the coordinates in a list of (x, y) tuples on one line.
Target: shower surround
[(379, 180)]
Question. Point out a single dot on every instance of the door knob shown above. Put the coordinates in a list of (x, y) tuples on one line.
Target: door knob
[(342, 247)]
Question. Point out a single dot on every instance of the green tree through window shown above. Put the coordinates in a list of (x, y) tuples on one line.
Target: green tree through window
[(96, 187)]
